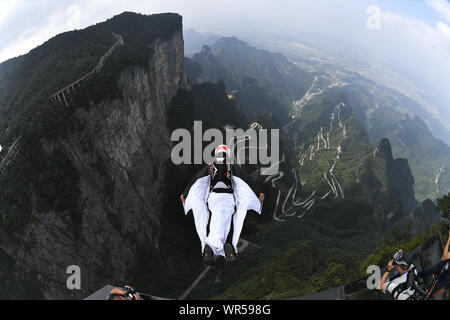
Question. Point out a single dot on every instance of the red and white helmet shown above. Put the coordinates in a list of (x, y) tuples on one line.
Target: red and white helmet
[(221, 149)]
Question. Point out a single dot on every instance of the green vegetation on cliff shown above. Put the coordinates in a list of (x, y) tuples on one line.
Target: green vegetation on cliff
[(42, 179), (25, 107)]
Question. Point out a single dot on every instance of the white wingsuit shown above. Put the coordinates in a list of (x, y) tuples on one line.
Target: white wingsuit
[(222, 207)]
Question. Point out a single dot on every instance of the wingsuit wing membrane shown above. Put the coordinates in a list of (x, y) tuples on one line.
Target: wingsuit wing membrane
[(245, 200), (196, 201), (245, 196)]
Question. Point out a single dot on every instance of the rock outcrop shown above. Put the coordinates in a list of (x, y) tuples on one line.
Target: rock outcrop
[(119, 148), (383, 150), (424, 216)]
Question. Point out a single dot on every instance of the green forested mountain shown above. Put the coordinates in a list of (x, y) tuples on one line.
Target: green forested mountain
[(265, 82), (385, 113), (93, 183), (46, 220), (27, 81), (265, 87), (359, 184)]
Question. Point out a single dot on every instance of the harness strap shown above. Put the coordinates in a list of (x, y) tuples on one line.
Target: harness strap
[(227, 181)]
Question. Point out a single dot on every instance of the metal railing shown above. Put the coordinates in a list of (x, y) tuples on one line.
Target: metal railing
[(60, 96)]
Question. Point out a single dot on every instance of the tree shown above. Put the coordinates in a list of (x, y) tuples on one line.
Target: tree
[(443, 205), (333, 276)]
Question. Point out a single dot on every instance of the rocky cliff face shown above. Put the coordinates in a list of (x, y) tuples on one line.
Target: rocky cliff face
[(421, 218), (383, 150), (119, 147), (389, 184)]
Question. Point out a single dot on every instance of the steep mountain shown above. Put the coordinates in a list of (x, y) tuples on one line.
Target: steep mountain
[(272, 69), (335, 62), (211, 70), (382, 100), (194, 40), (420, 218), (92, 184), (85, 186), (264, 82), (383, 112), (337, 160), (86, 177), (386, 113), (428, 156)]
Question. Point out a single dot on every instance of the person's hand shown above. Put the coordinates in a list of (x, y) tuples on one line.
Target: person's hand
[(136, 295), (183, 200), (261, 197), (390, 265), (119, 294)]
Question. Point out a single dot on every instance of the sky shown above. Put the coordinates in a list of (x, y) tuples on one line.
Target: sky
[(25, 24), (412, 36)]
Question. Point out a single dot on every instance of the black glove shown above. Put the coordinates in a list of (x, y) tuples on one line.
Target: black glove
[(130, 292)]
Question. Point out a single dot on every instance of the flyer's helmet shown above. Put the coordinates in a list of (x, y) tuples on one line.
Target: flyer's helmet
[(402, 264), (398, 255), (221, 153)]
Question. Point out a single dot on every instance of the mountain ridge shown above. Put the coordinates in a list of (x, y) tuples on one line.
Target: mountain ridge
[(78, 192)]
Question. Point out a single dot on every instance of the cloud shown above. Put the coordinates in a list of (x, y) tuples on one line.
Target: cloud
[(443, 29), (27, 30), (440, 6), (418, 36), (34, 36), (74, 17), (422, 53), (6, 7)]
